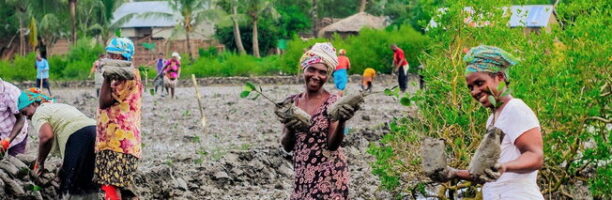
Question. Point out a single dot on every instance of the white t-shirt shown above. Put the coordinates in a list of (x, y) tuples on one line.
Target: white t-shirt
[(515, 119)]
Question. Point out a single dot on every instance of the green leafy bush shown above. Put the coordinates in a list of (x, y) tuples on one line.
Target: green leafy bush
[(564, 76)]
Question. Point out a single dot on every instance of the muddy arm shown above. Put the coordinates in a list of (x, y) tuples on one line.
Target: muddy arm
[(288, 140), (532, 153), (45, 137), (335, 135), (106, 97)]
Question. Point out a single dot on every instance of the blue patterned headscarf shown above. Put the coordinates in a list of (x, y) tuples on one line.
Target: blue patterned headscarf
[(121, 46), (30, 96), (485, 58)]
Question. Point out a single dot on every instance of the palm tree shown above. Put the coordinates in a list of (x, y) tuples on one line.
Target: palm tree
[(237, 38), (72, 4), (257, 8), (193, 13)]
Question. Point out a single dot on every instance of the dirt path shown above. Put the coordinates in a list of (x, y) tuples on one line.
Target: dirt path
[(238, 156)]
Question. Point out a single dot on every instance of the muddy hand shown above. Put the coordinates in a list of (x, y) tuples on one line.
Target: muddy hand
[(347, 112), (294, 124), (444, 175), (495, 172)]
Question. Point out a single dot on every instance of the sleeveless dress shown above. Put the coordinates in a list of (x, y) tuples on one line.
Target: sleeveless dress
[(319, 172)]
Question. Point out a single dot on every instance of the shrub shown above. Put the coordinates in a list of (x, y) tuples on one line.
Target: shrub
[(563, 77)]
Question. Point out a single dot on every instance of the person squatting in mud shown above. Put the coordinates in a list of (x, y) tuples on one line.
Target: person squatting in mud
[(118, 142), (66, 131), (13, 125), (321, 170), (514, 175)]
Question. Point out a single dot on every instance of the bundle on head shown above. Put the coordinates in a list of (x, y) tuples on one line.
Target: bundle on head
[(434, 158), (117, 69), (289, 111), (353, 100), (487, 154)]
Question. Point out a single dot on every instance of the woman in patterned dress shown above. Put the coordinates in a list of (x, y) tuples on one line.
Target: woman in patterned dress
[(118, 142), (321, 170)]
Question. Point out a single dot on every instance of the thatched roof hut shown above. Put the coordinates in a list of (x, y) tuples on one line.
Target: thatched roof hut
[(353, 24)]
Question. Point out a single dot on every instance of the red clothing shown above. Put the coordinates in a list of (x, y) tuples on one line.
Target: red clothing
[(399, 58), (343, 63)]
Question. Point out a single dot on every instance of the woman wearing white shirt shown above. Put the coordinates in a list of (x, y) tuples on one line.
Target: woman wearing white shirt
[(522, 155)]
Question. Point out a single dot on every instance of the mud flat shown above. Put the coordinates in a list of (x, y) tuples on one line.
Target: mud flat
[(238, 155)]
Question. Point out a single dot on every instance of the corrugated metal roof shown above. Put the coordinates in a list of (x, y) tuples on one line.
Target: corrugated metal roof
[(143, 7), (522, 16), (530, 16)]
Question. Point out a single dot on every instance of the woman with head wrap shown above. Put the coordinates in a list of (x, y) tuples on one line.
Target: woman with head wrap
[(341, 73), (514, 175), (172, 72), (118, 139), (321, 170), (66, 131)]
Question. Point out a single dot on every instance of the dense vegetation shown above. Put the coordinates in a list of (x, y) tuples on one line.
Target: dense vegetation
[(564, 76)]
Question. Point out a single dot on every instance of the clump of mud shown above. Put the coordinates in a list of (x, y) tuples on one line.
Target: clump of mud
[(352, 100), (17, 181), (288, 111), (487, 154), (117, 69), (434, 159)]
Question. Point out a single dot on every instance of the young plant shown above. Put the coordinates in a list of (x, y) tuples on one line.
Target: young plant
[(286, 109)]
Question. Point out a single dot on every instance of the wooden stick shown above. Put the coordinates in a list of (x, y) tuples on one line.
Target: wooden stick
[(195, 86)]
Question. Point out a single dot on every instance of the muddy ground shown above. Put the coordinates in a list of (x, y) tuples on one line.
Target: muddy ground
[(238, 155)]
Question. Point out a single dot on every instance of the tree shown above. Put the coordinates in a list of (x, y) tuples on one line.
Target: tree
[(192, 14), (362, 5), (256, 9), (232, 6), (72, 4)]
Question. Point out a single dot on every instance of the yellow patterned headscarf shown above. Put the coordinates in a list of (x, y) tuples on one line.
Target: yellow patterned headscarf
[(323, 53)]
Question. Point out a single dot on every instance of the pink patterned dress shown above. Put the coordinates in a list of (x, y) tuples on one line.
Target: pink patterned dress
[(319, 172)]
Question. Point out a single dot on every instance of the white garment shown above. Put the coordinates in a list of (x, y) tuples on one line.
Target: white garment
[(515, 119)]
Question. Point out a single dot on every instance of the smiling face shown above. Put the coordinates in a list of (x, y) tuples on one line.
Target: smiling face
[(482, 84), (315, 76)]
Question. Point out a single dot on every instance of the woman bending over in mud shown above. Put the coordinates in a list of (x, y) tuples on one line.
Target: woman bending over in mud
[(321, 170), (522, 155), (66, 131)]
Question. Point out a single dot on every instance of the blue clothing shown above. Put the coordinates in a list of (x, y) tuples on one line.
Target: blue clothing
[(160, 65), (340, 78), (42, 69)]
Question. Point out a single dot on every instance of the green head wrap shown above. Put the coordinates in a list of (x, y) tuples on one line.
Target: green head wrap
[(30, 96), (488, 59)]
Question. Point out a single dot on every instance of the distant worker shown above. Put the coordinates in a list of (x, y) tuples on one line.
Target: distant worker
[(172, 71), (96, 70), (367, 79), (341, 72), (42, 73), (400, 65), (158, 82)]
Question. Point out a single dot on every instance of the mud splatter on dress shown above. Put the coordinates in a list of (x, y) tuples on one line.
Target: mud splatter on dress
[(319, 172)]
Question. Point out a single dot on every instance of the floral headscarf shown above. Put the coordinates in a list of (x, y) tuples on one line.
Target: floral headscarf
[(323, 53), (488, 59), (30, 96), (121, 46)]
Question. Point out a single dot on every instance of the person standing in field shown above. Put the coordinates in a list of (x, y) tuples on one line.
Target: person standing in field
[(42, 73), (367, 79), (522, 155), (321, 170), (400, 65), (172, 71), (158, 82), (64, 130), (341, 73), (118, 139), (13, 125), (96, 70)]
